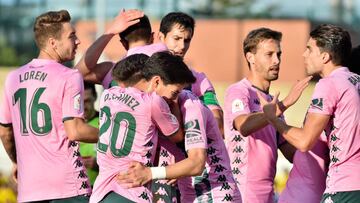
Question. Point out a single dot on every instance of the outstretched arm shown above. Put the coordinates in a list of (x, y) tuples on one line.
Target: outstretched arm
[(249, 123), (88, 66), (301, 138)]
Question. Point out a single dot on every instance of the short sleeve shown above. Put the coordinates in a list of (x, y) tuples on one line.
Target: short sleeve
[(324, 98), (73, 101), (194, 124), (161, 115), (237, 102)]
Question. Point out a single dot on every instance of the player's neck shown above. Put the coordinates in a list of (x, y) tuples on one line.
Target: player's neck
[(328, 69), (259, 83), (44, 54), (138, 44)]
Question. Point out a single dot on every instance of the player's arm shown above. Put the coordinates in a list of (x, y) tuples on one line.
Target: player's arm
[(288, 151), (78, 130), (252, 122), (302, 138), (88, 66), (139, 175), (8, 140)]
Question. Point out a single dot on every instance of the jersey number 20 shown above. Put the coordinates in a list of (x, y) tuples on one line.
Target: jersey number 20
[(129, 132)]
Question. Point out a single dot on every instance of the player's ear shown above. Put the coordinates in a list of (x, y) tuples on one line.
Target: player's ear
[(52, 43), (326, 57), (161, 37), (250, 57), (153, 84)]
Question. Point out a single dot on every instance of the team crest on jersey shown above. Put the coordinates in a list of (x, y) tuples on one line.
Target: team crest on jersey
[(237, 105), (77, 102), (317, 103)]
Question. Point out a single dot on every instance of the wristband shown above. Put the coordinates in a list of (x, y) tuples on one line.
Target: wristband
[(158, 173)]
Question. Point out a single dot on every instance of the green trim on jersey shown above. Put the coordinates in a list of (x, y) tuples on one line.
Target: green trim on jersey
[(209, 98), (67, 118)]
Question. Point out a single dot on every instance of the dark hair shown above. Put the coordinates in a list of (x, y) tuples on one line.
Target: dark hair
[(49, 25), (334, 40), (170, 68), (90, 86), (139, 31), (353, 62), (129, 70), (258, 35), (184, 20)]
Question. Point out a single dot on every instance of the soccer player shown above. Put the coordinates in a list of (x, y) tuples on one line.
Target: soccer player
[(251, 142), (204, 145), (134, 30), (130, 118), (42, 117), (176, 32), (335, 108), (88, 150)]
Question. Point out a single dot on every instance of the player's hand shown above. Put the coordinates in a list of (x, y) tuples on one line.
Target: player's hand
[(295, 92), (14, 172), (124, 20), (137, 175), (269, 108), (89, 162), (171, 182)]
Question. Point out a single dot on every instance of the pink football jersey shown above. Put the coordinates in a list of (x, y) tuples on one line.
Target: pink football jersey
[(38, 97), (337, 95), (255, 180), (217, 183), (129, 123)]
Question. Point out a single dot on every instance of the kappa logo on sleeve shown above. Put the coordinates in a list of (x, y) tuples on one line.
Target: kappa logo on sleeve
[(77, 102), (237, 105), (317, 103)]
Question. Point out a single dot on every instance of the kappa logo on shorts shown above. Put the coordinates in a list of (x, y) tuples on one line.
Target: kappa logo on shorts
[(317, 103)]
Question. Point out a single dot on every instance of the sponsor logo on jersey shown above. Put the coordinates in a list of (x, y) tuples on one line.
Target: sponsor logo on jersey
[(317, 103), (77, 102), (237, 105)]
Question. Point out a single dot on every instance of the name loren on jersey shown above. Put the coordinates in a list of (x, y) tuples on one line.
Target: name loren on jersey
[(32, 75), (123, 98)]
